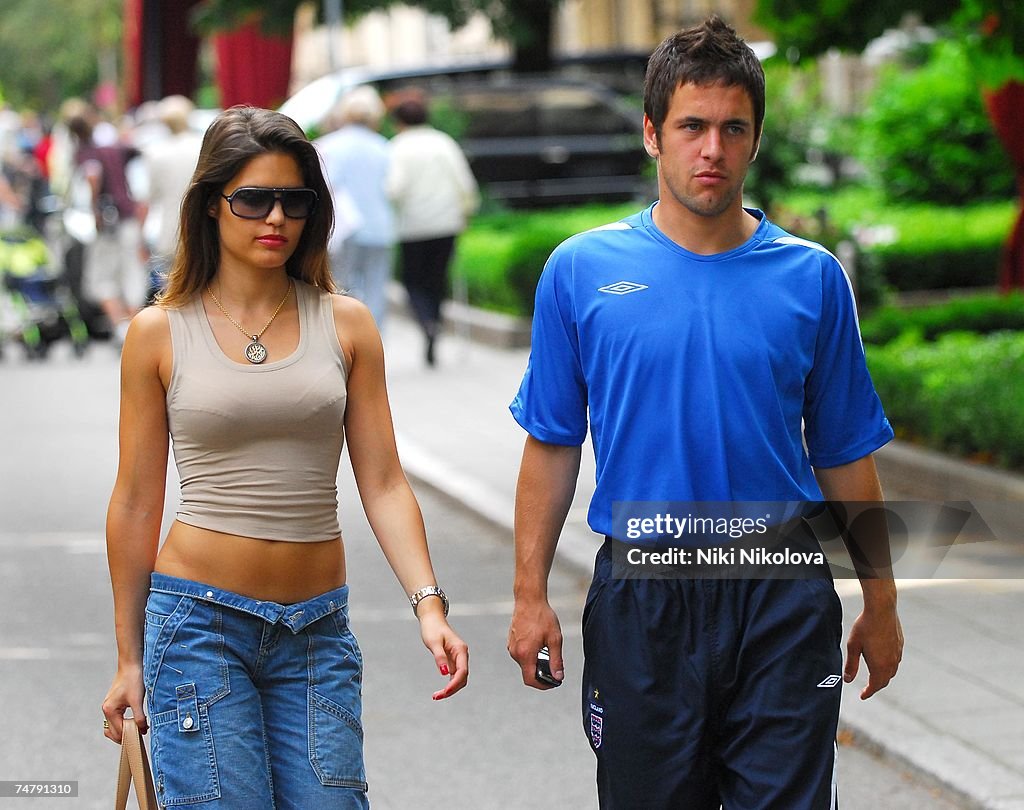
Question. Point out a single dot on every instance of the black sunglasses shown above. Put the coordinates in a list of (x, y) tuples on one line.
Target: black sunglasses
[(256, 202)]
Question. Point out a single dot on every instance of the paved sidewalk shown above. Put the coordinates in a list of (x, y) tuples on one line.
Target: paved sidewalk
[(955, 713)]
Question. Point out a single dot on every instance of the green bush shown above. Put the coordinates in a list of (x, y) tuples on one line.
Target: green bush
[(793, 117), (958, 393), (980, 314), (501, 255), (915, 246), (925, 134)]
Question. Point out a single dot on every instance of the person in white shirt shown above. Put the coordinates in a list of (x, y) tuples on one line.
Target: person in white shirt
[(434, 193), (169, 164), (356, 161)]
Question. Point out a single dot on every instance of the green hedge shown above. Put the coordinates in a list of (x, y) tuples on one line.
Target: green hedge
[(980, 314), (916, 246), (501, 255), (960, 393)]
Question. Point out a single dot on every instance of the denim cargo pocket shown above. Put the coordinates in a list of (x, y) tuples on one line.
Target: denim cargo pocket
[(335, 744), (185, 672), (184, 759)]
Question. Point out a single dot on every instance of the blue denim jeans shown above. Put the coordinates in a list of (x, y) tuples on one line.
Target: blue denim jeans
[(253, 704)]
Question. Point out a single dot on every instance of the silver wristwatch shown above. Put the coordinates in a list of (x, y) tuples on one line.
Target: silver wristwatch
[(423, 593)]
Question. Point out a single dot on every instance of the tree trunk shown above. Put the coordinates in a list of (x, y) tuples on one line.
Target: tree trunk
[(1006, 110), (531, 26)]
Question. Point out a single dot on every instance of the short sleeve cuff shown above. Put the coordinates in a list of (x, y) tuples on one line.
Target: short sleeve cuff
[(542, 433), (858, 451)]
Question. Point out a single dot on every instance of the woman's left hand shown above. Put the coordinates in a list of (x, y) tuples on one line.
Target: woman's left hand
[(450, 652)]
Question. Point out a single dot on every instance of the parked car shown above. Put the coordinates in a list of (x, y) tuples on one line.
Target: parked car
[(533, 141), (529, 140)]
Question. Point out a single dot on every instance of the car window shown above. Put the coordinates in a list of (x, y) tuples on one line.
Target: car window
[(579, 111), (493, 114)]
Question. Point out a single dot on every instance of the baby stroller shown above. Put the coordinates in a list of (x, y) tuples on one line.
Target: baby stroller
[(36, 306)]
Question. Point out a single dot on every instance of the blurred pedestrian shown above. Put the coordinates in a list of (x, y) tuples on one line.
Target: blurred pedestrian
[(434, 193), (169, 164), (236, 628), (356, 159), (717, 363), (11, 205), (113, 275)]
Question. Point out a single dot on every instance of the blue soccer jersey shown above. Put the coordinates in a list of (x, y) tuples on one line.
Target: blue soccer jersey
[(705, 378)]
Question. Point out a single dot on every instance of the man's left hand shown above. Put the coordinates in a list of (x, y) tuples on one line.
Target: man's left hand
[(878, 636)]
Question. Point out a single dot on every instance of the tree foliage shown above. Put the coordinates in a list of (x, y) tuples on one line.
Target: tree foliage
[(526, 24), (806, 28), (51, 54), (926, 136)]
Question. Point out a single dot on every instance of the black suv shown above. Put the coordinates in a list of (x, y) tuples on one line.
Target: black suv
[(533, 141)]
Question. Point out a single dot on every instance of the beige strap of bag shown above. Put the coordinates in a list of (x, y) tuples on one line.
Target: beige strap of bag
[(134, 769)]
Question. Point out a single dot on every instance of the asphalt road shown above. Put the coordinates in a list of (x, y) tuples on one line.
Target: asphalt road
[(496, 745)]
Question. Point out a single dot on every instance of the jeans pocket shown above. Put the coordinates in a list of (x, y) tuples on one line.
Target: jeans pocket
[(160, 605), (184, 758), (336, 743), (349, 645), (164, 615), (187, 647)]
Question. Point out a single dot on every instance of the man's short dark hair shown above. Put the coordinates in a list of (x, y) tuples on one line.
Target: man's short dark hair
[(709, 53)]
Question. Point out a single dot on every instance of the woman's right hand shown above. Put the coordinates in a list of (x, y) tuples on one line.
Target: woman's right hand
[(126, 692)]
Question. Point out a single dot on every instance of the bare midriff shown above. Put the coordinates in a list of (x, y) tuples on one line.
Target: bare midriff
[(270, 570)]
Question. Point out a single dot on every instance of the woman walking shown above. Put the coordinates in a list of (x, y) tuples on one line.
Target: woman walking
[(236, 633)]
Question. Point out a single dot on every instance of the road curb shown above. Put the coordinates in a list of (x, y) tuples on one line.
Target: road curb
[(931, 475), (864, 739)]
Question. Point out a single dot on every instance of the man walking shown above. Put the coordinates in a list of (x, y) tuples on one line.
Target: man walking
[(717, 359)]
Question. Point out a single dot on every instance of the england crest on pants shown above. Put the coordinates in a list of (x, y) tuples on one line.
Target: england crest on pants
[(596, 726)]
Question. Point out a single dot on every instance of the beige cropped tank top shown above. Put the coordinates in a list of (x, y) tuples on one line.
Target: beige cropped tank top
[(257, 447)]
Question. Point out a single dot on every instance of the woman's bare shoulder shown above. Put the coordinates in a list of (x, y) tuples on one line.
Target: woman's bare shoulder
[(148, 341), (357, 331), (151, 319), (352, 315)]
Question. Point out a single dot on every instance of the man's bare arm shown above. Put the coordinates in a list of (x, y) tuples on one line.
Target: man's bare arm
[(547, 482), (876, 634)]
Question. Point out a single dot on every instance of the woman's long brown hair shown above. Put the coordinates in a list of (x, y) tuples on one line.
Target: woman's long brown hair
[(235, 137)]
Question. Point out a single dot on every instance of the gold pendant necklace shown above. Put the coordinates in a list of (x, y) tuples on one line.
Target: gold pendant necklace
[(255, 352)]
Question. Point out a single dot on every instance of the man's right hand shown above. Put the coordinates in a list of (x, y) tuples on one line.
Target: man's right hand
[(535, 625)]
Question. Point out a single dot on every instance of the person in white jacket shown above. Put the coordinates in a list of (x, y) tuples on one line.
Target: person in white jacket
[(434, 193)]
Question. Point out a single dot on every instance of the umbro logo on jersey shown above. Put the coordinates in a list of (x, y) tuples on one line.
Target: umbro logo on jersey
[(622, 288), (829, 682)]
